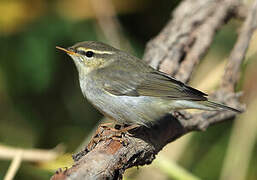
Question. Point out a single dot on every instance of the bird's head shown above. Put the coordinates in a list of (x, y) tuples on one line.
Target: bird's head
[(90, 55)]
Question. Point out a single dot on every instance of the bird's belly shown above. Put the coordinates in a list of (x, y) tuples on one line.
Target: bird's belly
[(141, 110)]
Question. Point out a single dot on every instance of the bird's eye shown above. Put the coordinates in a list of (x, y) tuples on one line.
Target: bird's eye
[(89, 54)]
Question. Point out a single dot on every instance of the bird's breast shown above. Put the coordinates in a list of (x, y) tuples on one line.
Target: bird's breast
[(124, 109)]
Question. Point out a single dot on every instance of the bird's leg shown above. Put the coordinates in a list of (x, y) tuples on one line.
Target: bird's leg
[(105, 125), (127, 128), (179, 115), (119, 131), (108, 126)]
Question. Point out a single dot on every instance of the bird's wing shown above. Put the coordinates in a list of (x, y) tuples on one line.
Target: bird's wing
[(148, 83)]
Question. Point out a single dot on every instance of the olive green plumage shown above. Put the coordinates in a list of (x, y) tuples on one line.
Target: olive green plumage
[(128, 90)]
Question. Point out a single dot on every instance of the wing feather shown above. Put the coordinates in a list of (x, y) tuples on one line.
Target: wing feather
[(147, 83)]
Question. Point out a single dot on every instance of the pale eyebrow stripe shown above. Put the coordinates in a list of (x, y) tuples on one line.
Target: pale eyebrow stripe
[(95, 51)]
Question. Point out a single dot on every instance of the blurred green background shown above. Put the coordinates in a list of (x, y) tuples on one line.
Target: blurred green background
[(41, 105)]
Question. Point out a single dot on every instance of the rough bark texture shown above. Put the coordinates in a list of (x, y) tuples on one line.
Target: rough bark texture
[(176, 50)]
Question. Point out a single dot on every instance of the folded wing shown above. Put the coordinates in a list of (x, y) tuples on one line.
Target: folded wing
[(147, 82)]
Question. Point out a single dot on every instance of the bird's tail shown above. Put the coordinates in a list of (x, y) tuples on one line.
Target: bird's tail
[(217, 106)]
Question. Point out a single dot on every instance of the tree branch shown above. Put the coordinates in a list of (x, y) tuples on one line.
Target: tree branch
[(186, 38), (237, 55), (176, 50)]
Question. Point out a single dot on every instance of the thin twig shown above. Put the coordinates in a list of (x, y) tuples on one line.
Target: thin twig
[(34, 155), (173, 170), (14, 165)]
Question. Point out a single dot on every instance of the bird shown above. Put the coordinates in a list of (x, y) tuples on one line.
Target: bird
[(128, 90)]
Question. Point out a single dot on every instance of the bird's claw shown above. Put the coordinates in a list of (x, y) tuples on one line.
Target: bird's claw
[(104, 133)]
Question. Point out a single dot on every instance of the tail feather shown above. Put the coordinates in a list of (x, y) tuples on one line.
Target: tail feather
[(218, 106)]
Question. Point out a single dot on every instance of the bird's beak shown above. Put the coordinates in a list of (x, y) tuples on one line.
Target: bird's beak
[(65, 50)]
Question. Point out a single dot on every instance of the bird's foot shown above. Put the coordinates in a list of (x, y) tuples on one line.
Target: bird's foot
[(180, 115), (126, 128), (61, 170), (104, 132)]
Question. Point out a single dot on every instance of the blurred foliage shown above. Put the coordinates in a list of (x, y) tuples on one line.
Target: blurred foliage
[(40, 99)]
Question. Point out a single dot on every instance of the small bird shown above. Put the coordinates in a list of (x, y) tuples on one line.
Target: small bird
[(128, 90)]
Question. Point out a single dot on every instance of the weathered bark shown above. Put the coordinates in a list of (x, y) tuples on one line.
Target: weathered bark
[(176, 50)]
